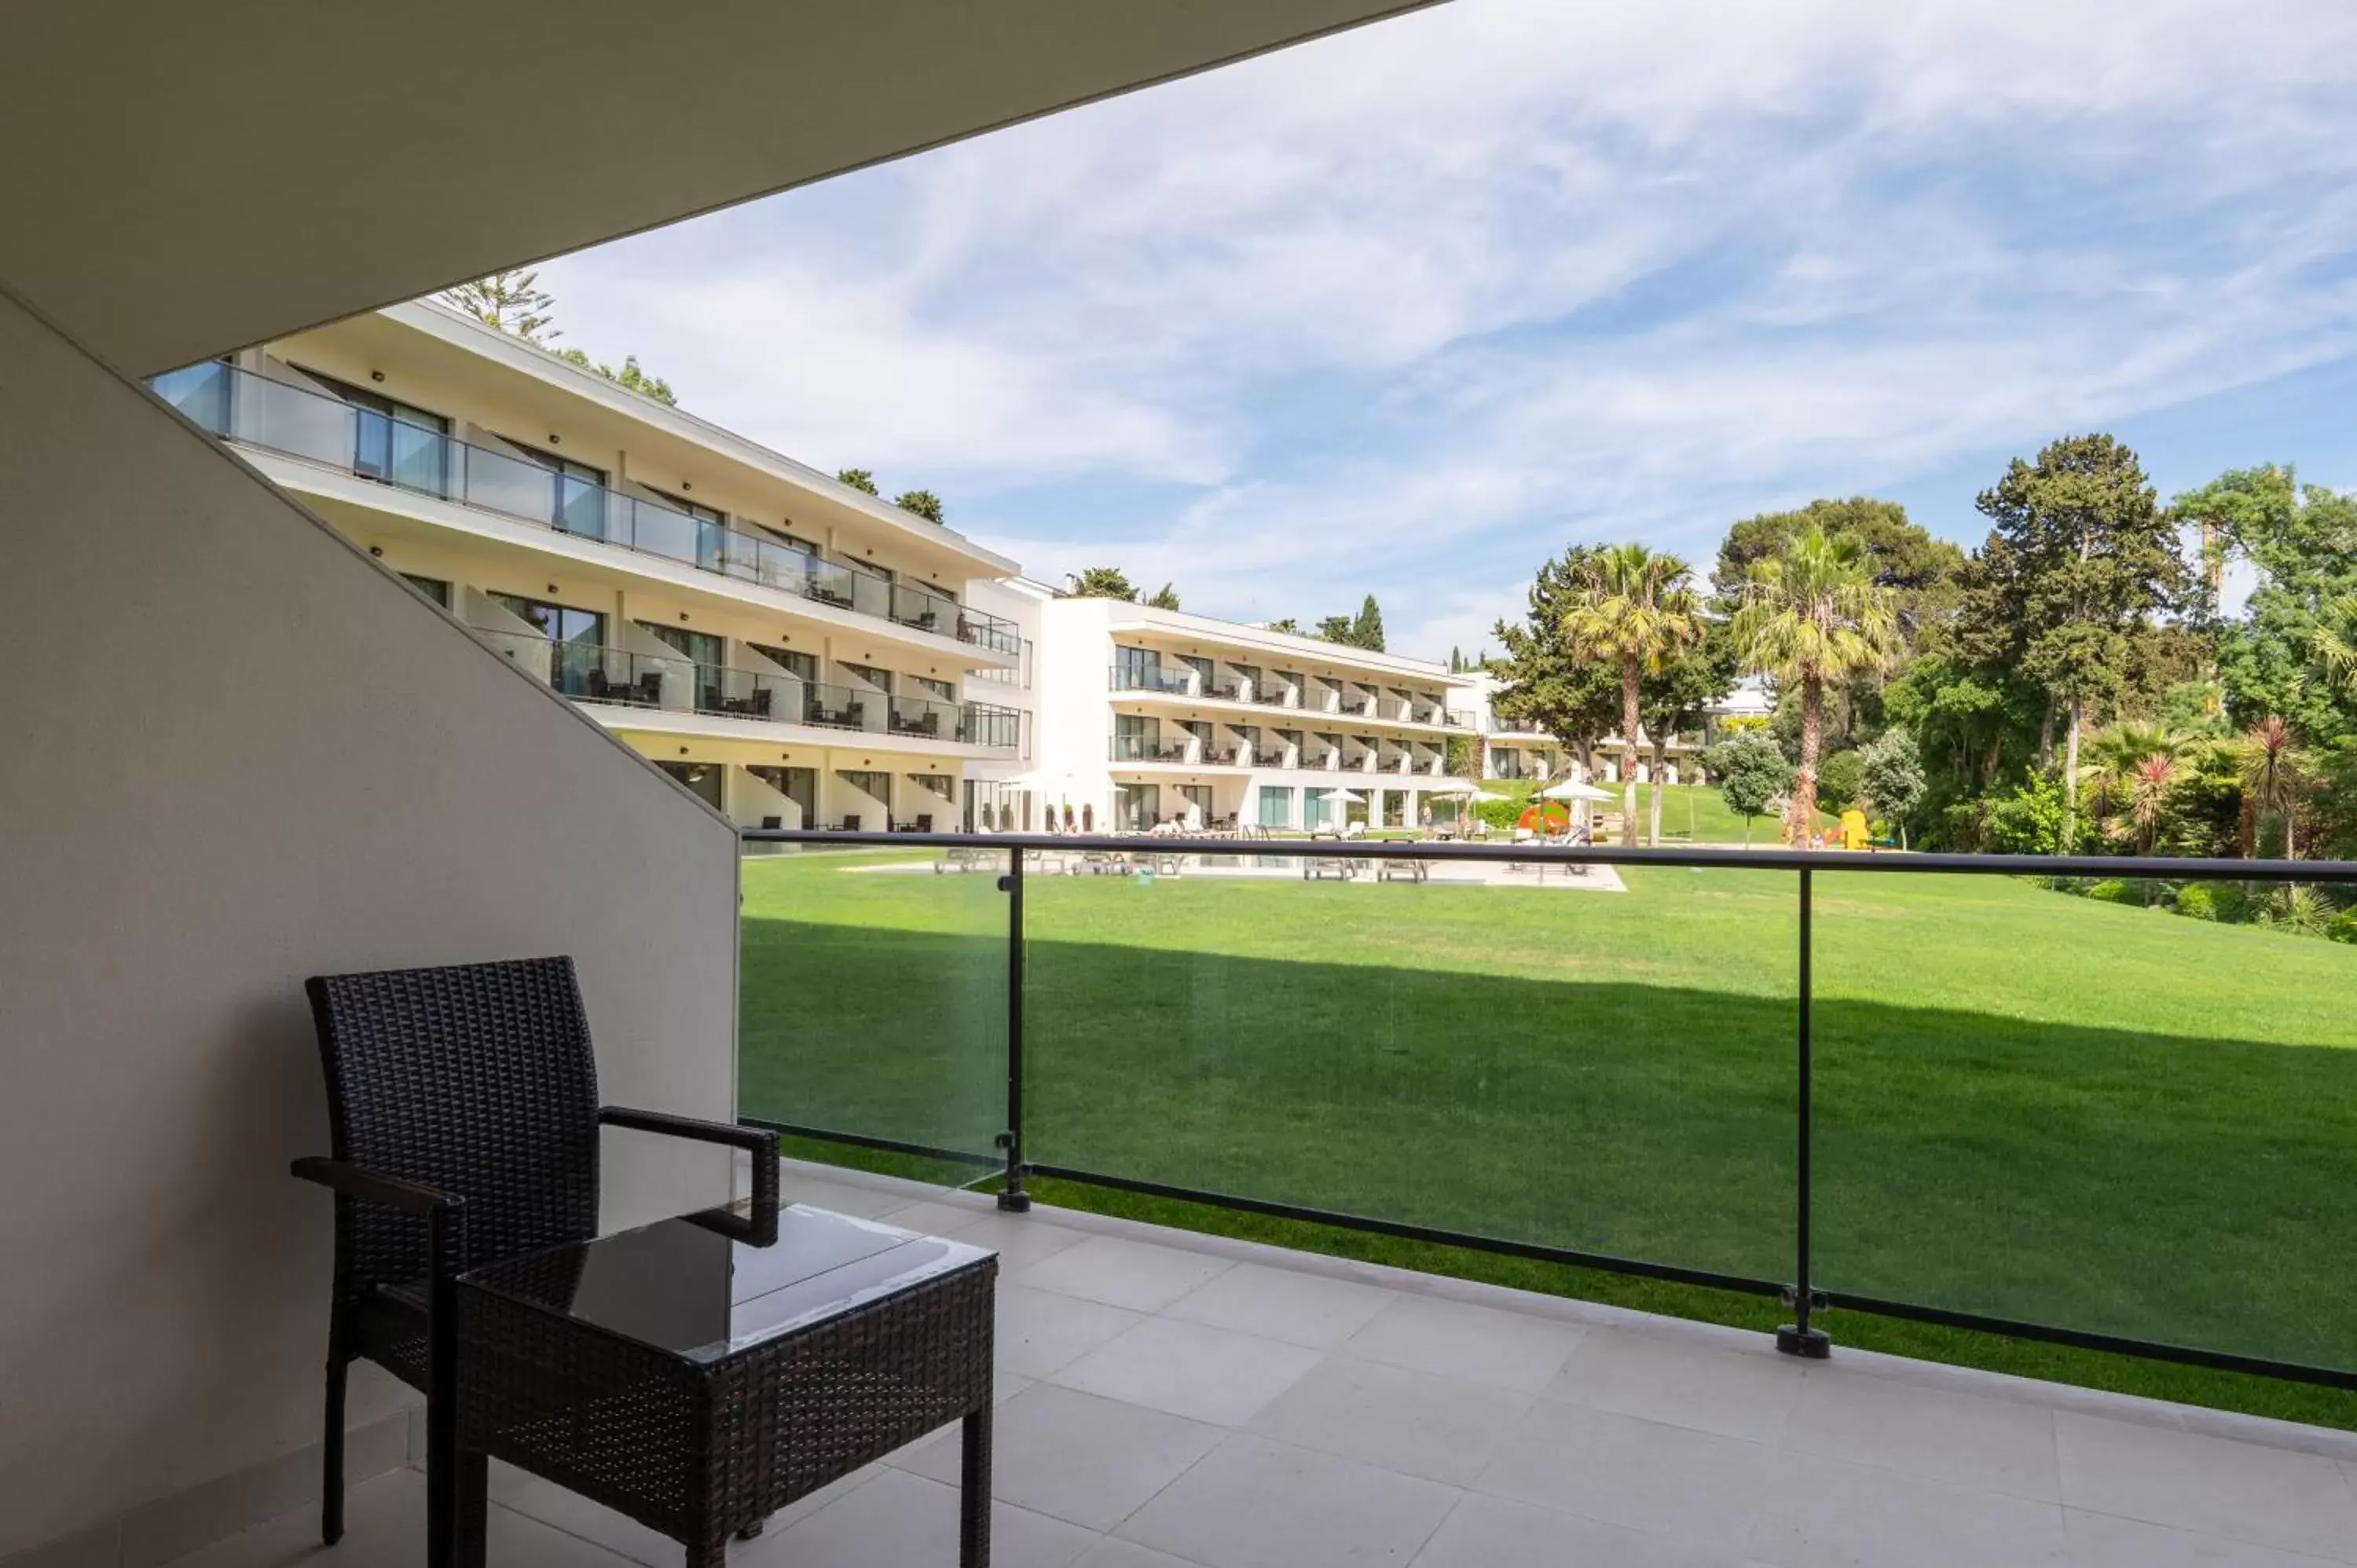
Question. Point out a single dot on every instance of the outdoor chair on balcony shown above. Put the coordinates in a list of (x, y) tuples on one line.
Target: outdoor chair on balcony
[(463, 1114)]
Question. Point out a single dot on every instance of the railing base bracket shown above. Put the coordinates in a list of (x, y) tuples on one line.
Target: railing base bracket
[(1808, 1343), (1015, 1202)]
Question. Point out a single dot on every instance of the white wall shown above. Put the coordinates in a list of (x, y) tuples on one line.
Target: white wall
[(328, 775)]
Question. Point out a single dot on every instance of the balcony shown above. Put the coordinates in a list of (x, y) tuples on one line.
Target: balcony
[(591, 673), (1321, 1410), (1164, 680), (1147, 748), (269, 415)]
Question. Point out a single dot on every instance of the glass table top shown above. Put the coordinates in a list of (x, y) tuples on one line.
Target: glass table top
[(677, 1287)]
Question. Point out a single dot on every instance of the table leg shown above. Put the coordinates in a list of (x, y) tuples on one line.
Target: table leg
[(473, 1505), (974, 1491)]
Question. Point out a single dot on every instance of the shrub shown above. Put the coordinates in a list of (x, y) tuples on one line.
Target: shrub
[(2343, 926), (1841, 777), (2197, 901), (2299, 910), (2112, 890)]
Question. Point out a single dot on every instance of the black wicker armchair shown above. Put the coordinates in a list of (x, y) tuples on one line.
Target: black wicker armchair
[(463, 1113)]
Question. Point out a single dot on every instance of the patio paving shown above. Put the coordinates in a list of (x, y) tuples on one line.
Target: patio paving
[(1167, 1400)]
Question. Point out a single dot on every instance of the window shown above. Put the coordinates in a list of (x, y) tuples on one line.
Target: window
[(1135, 669), (577, 504), (1198, 798), (709, 653), (701, 780), (940, 691), (394, 441), (801, 666), (877, 784), (577, 663), (1135, 736), (799, 785), (1136, 807), (879, 679), (795, 540), (433, 588), (1275, 805)]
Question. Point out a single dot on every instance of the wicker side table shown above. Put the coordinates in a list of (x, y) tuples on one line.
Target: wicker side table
[(698, 1383)]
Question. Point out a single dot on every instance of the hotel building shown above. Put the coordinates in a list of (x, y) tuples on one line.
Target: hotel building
[(793, 650), (1158, 714)]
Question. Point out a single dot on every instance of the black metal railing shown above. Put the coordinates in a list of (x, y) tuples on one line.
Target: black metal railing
[(1821, 1123), (275, 416)]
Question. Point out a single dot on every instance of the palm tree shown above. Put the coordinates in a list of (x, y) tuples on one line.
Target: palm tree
[(2150, 780), (2335, 642), (1813, 616), (2269, 763), (1635, 604), (2110, 758)]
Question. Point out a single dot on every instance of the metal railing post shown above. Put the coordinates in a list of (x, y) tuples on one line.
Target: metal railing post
[(1012, 1197), (1796, 1338)]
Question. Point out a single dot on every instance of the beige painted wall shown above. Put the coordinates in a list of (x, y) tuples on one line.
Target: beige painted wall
[(234, 752)]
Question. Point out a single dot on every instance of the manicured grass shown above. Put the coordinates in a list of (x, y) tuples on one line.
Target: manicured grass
[(2030, 1106)]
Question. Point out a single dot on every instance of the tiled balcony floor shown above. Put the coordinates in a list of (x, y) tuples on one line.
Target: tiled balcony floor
[(1167, 1400)]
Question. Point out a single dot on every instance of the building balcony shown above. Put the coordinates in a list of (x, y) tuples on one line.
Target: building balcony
[(1162, 679), (653, 686), (271, 417), (1149, 749)]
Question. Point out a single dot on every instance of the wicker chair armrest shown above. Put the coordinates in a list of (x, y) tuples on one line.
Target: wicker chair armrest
[(374, 1186), (761, 1227), (445, 1213)]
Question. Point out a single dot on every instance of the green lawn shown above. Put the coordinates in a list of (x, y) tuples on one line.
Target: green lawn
[(2032, 1106), (1691, 814)]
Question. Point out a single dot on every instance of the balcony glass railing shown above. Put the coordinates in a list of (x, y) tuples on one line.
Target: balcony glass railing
[(590, 672), (1146, 748), (1168, 679), (1927, 1088), (255, 411)]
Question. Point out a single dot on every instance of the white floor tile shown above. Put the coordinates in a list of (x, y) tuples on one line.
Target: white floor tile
[(1444, 1429), (1040, 1332), (1830, 1513), (1204, 1374), (900, 1520), (2268, 1496), (1693, 1486), (1075, 1456), (2101, 1541), (1280, 1304), (1113, 1553), (932, 1218), (1255, 1504), (1490, 1533), (1021, 1239), (1733, 1393), (1119, 1273), (1458, 1340), (1991, 1444)]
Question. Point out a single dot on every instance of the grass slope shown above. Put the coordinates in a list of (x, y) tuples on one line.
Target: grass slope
[(2032, 1106)]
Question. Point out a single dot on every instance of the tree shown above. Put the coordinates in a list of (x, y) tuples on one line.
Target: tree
[(1634, 606), (1751, 773), (1100, 583), (2272, 767), (1891, 776), (1922, 570), (924, 503), (1165, 597), (1672, 700), (1290, 627), (1367, 631), (2081, 557), (511, 301), (859, 479), (1336, 629), (2334, 642), (1813, 616), (629, 375), (1545, 681), (1841, 779)]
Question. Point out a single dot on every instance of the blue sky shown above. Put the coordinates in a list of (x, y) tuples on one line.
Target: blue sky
[(1405, 310)]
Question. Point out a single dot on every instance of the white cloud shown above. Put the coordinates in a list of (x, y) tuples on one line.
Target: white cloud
[(1381, 309)]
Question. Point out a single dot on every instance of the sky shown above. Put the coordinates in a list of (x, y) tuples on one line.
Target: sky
[(1406, 310)]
